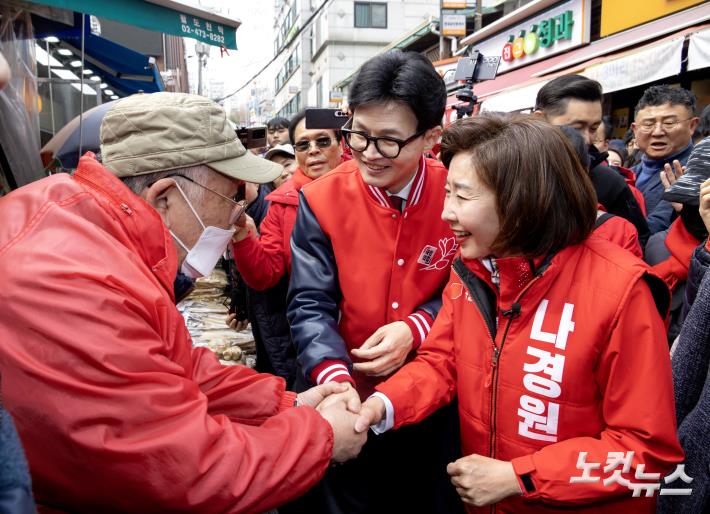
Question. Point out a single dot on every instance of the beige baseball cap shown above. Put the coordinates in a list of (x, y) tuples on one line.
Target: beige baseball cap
[(147, 133), (286, 149)]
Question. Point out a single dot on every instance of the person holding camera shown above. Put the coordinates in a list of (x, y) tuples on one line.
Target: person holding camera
[(263, 255), (369, 256)]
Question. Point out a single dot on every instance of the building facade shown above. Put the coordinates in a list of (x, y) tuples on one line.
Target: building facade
[(321, 42)]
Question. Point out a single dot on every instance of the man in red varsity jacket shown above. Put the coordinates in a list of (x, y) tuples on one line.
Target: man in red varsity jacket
[(370, 255)]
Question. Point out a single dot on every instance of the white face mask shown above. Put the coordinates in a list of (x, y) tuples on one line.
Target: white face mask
[(210, 246)]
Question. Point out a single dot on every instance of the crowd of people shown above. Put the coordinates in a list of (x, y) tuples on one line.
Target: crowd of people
[(510, 311)]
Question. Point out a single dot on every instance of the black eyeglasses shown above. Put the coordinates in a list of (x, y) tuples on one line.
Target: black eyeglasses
[(321, 142), (238, 200), (388, 147)]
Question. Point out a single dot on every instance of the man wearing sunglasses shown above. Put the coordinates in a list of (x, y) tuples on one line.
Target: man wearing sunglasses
[(262, 254), (117, 410), (370, 255), (264, 258)]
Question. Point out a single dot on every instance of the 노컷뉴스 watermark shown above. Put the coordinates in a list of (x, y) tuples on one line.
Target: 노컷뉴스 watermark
[(617, 470)]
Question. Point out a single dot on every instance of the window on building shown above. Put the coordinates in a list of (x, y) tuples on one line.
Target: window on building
[(370, 15), (311, 35), (288, 27), (289, 67), (291, 108), (318, 33), (319, 92)]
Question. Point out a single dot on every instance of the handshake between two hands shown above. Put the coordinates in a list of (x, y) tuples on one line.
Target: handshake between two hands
[(479, 480), (339, 404)]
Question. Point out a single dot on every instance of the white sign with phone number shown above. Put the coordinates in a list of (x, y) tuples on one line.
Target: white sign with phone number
[(201, 29)]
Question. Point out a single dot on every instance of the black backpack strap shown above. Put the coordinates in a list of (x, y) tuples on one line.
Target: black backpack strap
[(602, 219)]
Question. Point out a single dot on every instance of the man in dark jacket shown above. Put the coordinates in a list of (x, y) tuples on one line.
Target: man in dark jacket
[(576, 101), (664, 124), (265, 310), (699, 264)]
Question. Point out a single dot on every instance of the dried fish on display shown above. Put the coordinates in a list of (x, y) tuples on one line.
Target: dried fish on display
[(205, 313)]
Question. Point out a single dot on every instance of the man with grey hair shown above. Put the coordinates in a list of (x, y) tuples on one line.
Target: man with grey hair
[(115, 408)]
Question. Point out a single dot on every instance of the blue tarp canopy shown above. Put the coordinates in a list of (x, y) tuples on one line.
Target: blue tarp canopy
[(123, 69)]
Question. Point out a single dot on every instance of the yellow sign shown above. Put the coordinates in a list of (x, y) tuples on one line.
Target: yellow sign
[(620, 119), (621, 15), (453, 5)]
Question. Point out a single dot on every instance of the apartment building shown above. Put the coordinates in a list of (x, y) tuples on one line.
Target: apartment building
[(320, 42)]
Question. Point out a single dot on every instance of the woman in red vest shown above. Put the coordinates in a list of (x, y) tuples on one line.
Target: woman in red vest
[(550, 336)]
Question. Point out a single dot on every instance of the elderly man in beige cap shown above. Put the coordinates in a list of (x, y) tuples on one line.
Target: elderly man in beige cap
[(117, 411)]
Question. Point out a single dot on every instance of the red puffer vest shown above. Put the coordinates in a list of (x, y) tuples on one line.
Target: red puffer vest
[(559, 359)]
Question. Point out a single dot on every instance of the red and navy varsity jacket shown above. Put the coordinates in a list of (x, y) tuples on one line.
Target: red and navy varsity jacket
[(358, 264)]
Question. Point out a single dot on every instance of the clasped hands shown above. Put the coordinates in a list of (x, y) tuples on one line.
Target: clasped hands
[(479, 480), (339, 403)]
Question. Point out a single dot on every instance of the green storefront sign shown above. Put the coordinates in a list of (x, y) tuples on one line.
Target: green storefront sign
[(547, 33), (153, 17)]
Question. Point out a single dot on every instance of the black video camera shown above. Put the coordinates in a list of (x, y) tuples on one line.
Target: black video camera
[(253, 137), (473, 68)]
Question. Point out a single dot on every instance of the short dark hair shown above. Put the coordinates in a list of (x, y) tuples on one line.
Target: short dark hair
[(580, 146), (554, 96), (704, 126), (629, 136), (664, 94), (297, 119), (544, 198), (619, 146), (277, 122), (608, 127), (406, 77)]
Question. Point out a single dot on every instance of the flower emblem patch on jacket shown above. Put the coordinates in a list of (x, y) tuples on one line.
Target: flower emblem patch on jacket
[(432, 258)]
